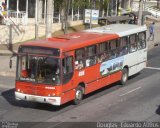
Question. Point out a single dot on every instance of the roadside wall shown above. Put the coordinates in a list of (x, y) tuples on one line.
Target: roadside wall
[(22, 33)]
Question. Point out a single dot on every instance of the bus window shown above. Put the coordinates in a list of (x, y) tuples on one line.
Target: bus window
[(48, 70), (123, 46), (113, 44), (103, 57), (133, 43), (67, 69), (26, 70), (113, 51), (142, 40), (39, 69), (103, 47), (22, 72), (103, 52), (80, 59), (91, 55)]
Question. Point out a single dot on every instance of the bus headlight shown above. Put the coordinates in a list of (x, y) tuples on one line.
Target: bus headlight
[(53, 94)]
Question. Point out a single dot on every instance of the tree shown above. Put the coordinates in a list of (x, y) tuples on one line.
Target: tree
[(79, 6), (49, 18), (63, 7), (158, 4), (105, 7), (140, 12)]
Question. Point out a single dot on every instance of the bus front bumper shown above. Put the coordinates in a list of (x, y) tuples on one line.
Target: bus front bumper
[(42, 99)]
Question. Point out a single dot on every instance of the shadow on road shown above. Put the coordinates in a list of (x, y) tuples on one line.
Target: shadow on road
[(134, 76), (10, 98), (158, 110)]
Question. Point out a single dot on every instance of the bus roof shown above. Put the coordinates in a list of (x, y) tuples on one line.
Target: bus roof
[(119, 29), (72, 41), (84, 38)]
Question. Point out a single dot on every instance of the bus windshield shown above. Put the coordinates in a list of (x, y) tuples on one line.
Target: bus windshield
[(39, 69)]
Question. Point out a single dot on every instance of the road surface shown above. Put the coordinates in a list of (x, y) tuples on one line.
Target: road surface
[(139, 100)]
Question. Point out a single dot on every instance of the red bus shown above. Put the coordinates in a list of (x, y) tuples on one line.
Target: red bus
[(65, 68)]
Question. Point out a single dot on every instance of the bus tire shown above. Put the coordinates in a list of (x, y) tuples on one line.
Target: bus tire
[(78, 95), (124, 76)]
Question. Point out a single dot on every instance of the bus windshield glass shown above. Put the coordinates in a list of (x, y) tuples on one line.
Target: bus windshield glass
[(39, 69)]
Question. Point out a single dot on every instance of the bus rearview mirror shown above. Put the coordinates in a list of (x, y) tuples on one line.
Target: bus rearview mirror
[(10, 63)]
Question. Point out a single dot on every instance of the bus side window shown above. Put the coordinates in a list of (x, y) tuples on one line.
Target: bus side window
[(142, 40), (67, 69), (103, 48), (91, 55), (113, 49), (23, 67), (80, 59), (123, 50), (133, 43)]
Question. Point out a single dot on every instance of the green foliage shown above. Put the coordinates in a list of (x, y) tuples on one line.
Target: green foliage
[(95, 4), (105, 4), (59, 3), (80, 3)]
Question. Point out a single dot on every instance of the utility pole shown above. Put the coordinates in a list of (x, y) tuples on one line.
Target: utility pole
[(117, 9), (140, 18), (36, 19), (66, 16), (49, 19), (45, 8), (90, 25), (158, 4), (144, 5), (10, 37)]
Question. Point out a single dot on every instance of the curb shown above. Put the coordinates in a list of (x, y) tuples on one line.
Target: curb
[(6, 53), (9, 73)]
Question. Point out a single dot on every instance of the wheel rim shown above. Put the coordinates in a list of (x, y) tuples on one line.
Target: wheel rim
[(125, 77), (79, 95)]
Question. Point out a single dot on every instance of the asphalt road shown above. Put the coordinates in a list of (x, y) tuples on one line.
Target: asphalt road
[(139, 100)]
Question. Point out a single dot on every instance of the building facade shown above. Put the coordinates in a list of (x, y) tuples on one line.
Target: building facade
[(27, 7)]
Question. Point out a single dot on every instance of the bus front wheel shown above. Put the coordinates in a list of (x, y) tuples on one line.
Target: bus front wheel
[(124, 77), (78, 95)]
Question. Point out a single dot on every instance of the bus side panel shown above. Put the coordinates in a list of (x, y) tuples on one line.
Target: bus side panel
[(109, 79), (91, 73), (91, 87), (142, 59), (67, 96), (68, 90), (131, 60), (102, 82), (87, 76), (114, 77)]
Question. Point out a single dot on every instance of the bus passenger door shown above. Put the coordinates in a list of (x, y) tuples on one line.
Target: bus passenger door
[(67, 78), (142, 51), (91, 69), (132, 58)]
